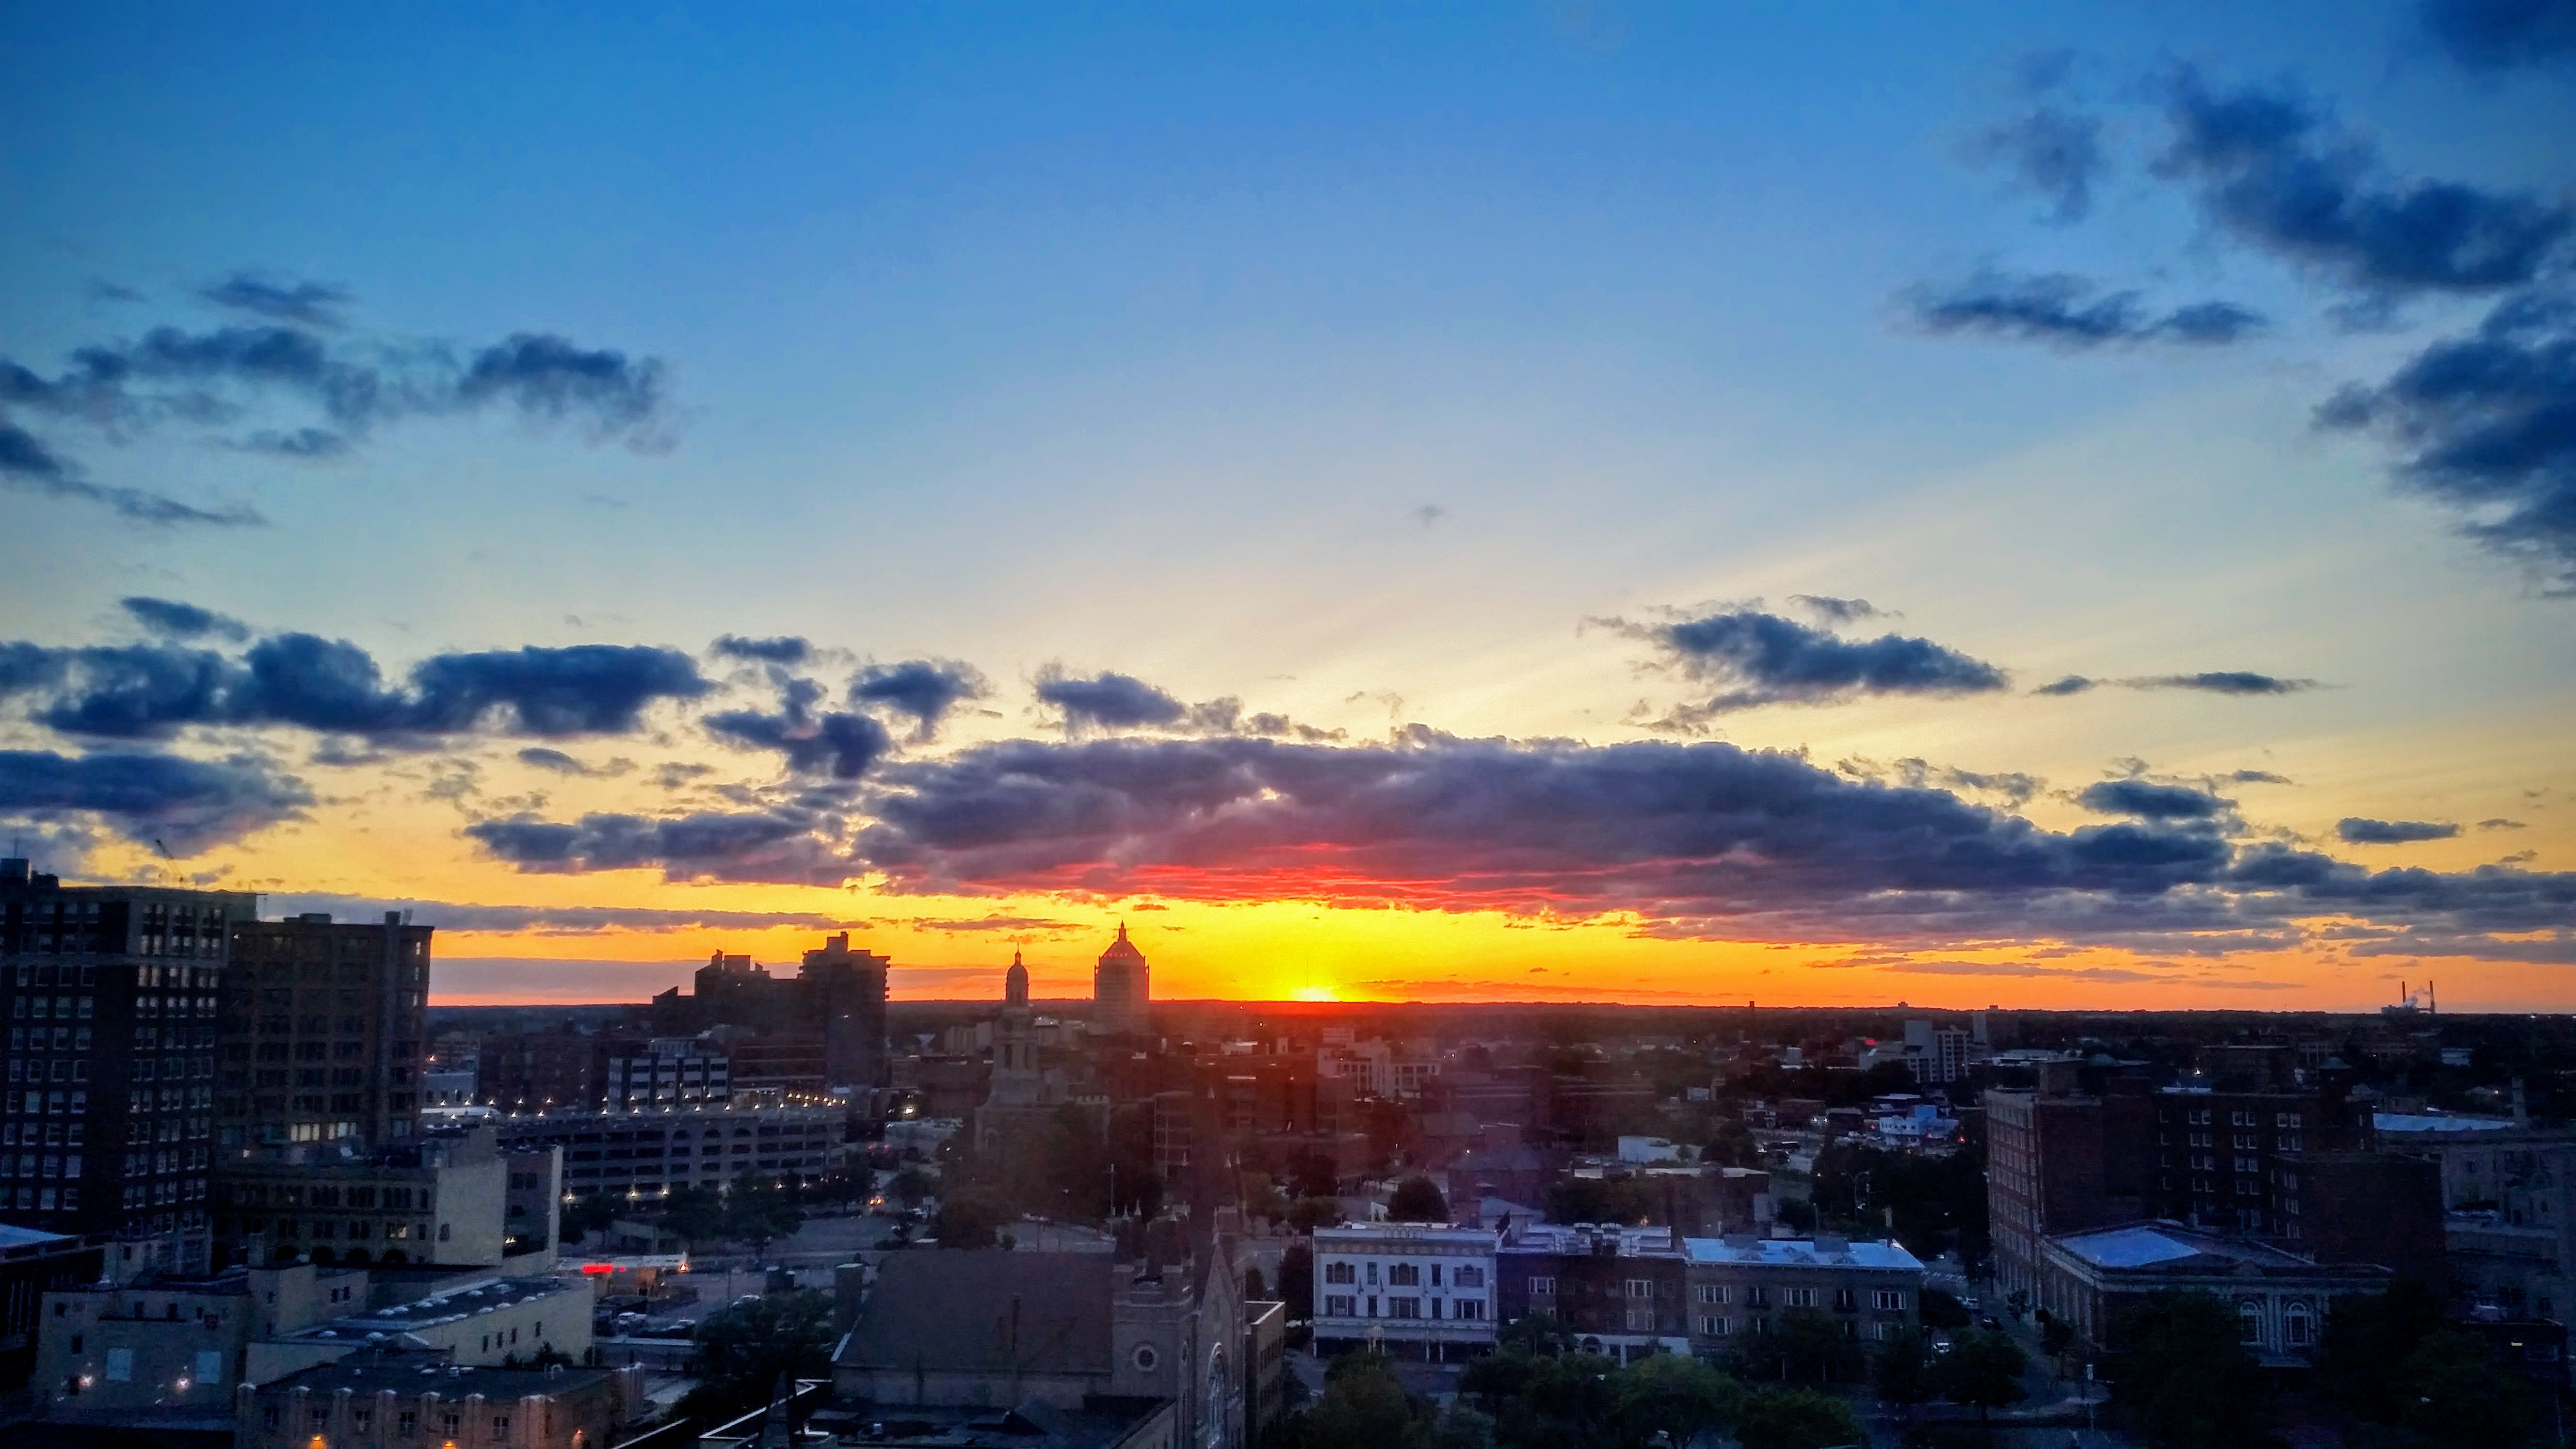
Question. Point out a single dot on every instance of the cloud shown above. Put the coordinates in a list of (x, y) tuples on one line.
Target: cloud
[(208, 380), (769, 845), (2118, 975), (924, 689), (539, 757), (2355, 830), (2266, 168), (2485, 424), (2151, 801), (996, 923), (190, 805), (548, 920), (2256, 777), (2500, 823), (2052, 153), (784, 649), (2216, 681), (176, 620), (1838, 611), (1107, 701), (1755, 659), (333, 686), (99, 289), (312, 304), (2063, 312), (2497, 35), (1429, 514), (839, 745)]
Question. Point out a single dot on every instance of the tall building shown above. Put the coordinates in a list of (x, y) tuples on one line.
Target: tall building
[(847, 992), (1121, 987), (107, 1103), (324, 1029), (2058, 1160), (823, 1028)]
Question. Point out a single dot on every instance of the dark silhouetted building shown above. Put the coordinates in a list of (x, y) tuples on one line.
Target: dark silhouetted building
[(1121, 988), (324, 1030)]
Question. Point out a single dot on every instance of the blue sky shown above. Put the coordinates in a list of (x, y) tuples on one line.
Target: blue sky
[(1346, 362)]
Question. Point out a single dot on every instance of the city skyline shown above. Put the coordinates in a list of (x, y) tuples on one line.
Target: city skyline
[(1603, 504)]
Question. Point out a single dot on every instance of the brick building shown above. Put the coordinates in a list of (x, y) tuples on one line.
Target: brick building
[(324, 1031), (1739, 1288), (1618, 1288)]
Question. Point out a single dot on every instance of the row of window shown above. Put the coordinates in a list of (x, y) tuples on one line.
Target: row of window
[(1463, 1310), (43, 1008), (1721, 1326), (406, 1421), (1409, 1275), (328, 1229)]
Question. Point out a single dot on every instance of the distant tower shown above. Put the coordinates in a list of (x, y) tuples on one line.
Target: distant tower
[(1121, 987), (1015, 986)]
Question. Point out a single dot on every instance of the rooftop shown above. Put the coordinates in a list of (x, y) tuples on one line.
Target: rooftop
[(13, 1239), (423, 1373), (1102, 1421), (1801, 1253), (2412, 1122), (2171, 1246), (450, 1306)]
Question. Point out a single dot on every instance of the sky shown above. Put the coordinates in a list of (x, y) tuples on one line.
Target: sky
[(2051, 505)]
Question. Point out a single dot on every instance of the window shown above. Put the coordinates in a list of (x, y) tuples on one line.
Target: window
[(2298, 1328), (1797, 1297), (1713, 1327), (1712, 1293), (1641, 1287), (1888, 1298), (1542, 1287), (2249, 1322), (1757, 1296), (1339, 1273), (1471, 1309), (1339, 1305), (1372, 1274), (1641, 1320), (1467, 1277), (1404, 1308), (1404, 1275)]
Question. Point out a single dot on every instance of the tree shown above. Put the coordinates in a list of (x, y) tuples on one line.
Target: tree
[(1255, 1289), (968, 1220), (1417, 1199), (1297, 1280), (591, 1214), (694, 1214), (1809, 1347), (2456, 1397), (1312, 1174), (759, 1213), (742, 1350), (1901, 1370), (1461, 1428), (1675, 1395), (1798, 1213), (1797, 1419), (2056, 1336), (1943, 1310), (1309, 1213), (1363, 1403), (1983, 1369), (1540, 1335), (912, 1187), (1595, 1200), (1568, 1400), (2368, 1338), (2185, 1379)]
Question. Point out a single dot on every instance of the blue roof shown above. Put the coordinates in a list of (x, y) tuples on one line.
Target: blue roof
[(1801, 1253)]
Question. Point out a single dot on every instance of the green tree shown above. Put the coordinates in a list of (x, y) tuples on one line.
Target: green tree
[(760, 1213), (1568, 1401), (2185, 1379), (1596, 1200), (742, 1350), (1498, 1379), (1675, 1395), (968, 1220), (1460, 1428), (1901, 1370), (1981, 1369), (912, 1187), (1798, 1213), (591, 1214), (694, 1215), (1297, 1279), (1309, 1213), (2455, 1396), (1797, 1419), (2368, 1338), (2056, 1336), (1255, 1288), (1312, 1174), (1540, 1335), (1417, 1199), (1363, 1403), (1810, 1348), (1943, 1310)]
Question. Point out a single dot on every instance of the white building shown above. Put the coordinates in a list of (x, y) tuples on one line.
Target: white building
[(667, 1071), (1411, 1284), (1380, 1068)]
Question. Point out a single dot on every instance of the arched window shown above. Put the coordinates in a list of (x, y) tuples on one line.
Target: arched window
[(2300, 1326), (2249, 1320)]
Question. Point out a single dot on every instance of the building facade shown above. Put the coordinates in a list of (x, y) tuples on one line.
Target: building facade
[(324, 1030), (107, 1094), (667, 1071), (1121, 988), (2281, 1300), (648, 1153), (1739, 1289), (380, 1400), (1619, 1289), (438, 1198), (1426, 1289)]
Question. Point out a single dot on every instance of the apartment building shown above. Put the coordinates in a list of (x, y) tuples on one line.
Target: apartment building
[(324, 1031), (439, 1198), (1619, 1289), (1739, 1288), (667, 1071)]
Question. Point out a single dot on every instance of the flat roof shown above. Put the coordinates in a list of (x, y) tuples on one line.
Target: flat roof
[(419, 1373), (438, 1308), (12, 1237), (2150, 1245), (2418, 1122), (1801, 1253)]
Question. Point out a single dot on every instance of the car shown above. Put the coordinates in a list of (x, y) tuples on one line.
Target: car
[(1991, 1323)]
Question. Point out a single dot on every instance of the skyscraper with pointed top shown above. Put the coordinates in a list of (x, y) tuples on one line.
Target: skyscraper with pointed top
[(1121, 988)]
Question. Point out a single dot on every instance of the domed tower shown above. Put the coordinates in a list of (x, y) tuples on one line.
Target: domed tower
[(1015, 986), (1121, 987)]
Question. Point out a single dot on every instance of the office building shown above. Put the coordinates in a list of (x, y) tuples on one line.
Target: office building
[(385, 1399), (2280, 1299), (107, 1093), (324, 1031), (436, 1198), (1619, 1289), (667, 1071), (1121, 988)]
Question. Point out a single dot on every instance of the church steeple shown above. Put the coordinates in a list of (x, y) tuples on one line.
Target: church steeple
[(1015, 985)]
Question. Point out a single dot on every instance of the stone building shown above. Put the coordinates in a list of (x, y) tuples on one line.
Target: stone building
[(167, 1349), (437, 1199), (2281, 1300), (1422, 1289), (394, 1400), (1618, 1288), (324, 1030), (1122, 988)]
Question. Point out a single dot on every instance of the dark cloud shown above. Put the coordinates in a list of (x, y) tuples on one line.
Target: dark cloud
[(311, 304), (176, 620), (99, 289), (839, 745), (2486, 425), (1429, 514), (207, 380), (189, 805), (2497, 35), (783, 649), (547, 376), (2064, 312), (775, 845), (2257, 777), (542, 758), (2354, 830), (1755, 659), (923, 689), (333, 686), (2214, 681), (2054, 154), (2151, 801), (1108, 701), (2267, 168), (548, 920), (2500, 823)]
